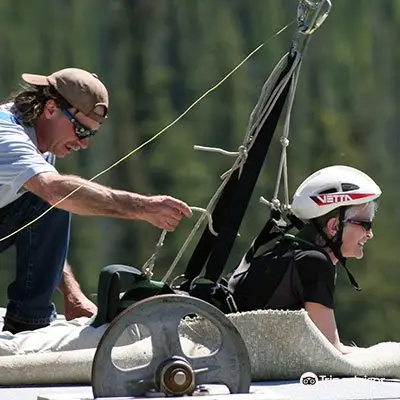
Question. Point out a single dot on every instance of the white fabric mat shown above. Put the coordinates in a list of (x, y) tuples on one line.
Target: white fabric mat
[(281, 345), (285, 344)]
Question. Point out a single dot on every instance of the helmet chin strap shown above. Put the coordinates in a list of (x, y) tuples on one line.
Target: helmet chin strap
[(335, 244)]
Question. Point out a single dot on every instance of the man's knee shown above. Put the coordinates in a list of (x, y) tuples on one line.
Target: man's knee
[(41, 252)]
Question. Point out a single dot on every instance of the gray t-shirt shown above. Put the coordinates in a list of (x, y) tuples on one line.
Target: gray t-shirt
[(20, 159)]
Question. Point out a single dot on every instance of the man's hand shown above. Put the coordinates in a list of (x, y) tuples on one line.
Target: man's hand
[(76, 304), (165, 212), (78, 307)]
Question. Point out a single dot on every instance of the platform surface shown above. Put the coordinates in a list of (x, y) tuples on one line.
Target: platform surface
[(337, 389)]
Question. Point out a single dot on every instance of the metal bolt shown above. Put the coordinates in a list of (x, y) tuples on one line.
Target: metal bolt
[(179, 377)]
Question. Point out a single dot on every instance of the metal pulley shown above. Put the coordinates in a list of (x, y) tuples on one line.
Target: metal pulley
[(176, 377), (170, 371)]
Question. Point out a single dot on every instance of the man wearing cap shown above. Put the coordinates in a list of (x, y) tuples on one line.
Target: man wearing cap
[(49, 118)]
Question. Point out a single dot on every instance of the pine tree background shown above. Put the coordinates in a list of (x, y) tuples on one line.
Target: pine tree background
[(158, 56)]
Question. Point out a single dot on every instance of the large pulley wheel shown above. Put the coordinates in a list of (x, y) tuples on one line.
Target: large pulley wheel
[(170, 371)]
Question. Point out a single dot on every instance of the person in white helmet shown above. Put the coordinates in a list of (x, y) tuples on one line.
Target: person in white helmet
[(337, 205)]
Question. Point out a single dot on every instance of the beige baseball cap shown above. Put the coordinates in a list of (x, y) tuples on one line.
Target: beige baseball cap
[(82, 89)]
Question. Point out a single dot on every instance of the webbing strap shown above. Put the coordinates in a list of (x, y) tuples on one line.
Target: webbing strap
[(271, 230), (213, 251), (336, 248), (229, 211)]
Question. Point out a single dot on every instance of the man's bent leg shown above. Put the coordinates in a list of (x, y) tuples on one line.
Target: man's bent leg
[(41, 252)]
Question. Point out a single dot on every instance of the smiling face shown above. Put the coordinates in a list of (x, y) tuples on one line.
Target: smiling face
[(354, 238), (356, 230), (56, 132)]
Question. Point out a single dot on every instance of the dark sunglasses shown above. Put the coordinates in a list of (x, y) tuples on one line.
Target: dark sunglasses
[(367, 225), (81, 132)]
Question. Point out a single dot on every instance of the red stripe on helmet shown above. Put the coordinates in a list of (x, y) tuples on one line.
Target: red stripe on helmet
[(335, 198)]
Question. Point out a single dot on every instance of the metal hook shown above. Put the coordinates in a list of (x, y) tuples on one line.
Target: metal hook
[(312, 9)]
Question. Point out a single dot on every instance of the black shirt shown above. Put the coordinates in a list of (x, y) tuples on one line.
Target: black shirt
[(285, 277), (317, 275)]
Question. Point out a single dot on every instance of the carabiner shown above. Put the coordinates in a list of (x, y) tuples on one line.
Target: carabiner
[(311, 10)]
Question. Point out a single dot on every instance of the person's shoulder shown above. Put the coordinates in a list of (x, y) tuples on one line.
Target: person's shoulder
[(8, 121), (314, 263), (312, 254), (12, 132)]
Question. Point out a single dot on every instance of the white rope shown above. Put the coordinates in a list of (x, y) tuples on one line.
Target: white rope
[(148, 266), (312, 10), (216, 150), (262, 111), (250, 137), (305, 7), (209, 208), (282, 170), (209, 217)]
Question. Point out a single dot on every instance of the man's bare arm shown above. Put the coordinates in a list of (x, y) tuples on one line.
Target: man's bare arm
[(90, 199), (76, 304), (94, 199)]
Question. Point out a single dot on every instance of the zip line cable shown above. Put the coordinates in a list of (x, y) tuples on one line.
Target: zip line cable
[(122, 159)]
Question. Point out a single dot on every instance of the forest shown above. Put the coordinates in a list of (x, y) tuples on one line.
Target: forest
[(157, 57)]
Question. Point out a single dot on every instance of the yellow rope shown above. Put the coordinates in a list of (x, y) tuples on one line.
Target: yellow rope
[(153, 137)]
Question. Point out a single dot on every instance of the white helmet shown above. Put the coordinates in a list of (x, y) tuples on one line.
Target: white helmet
[(331, 188)]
